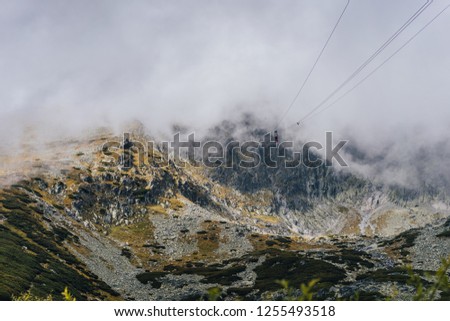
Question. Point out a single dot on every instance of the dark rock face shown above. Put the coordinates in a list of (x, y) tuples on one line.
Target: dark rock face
[(300, 187)]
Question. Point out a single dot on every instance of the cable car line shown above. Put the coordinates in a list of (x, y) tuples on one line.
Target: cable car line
[(370, 59), (314, 65), (380, 65)]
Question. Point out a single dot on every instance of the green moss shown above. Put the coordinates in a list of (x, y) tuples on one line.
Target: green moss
[(353, 259), (283, 239), (239, 292), (126, 252), (296, 270), (370, 296), (211, 274), (343, 209), (271, 242), (406, 239), (444, 234), (223, 276), (152, 278), (384, 275), (33, 258)]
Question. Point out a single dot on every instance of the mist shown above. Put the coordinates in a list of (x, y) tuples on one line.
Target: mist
[(70, 67)]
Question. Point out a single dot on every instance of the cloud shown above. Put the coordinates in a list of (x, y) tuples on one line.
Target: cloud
[(71, 66)]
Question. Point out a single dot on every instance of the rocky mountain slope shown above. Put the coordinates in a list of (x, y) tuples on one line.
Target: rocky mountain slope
[(172, 233)]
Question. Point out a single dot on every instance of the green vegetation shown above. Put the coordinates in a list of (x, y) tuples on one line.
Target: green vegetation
[(439, 283), (33, 258), (307, 291), (352, 258), (211, 274), (214, 293), (385, 275), (437, 288), (444, 234), (296, 270), (28, 296), (36, 263)]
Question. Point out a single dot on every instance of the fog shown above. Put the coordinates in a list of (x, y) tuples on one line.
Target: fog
[(69, 67)]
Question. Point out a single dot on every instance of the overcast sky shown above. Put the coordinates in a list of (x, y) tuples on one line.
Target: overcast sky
[(72, 65)]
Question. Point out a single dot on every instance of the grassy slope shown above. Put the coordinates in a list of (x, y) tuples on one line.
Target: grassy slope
[(33, 255)]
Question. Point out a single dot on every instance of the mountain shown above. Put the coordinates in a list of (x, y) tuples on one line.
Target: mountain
[(79, 219)]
